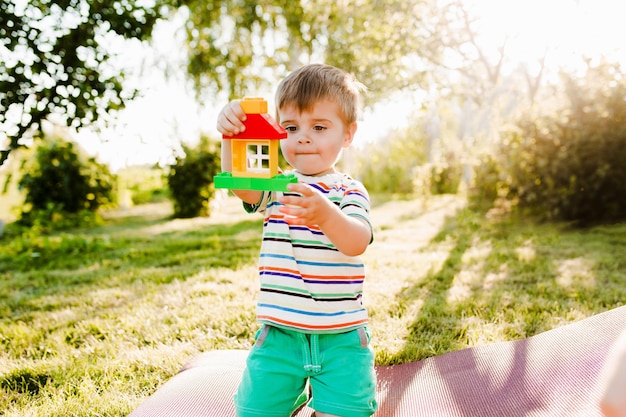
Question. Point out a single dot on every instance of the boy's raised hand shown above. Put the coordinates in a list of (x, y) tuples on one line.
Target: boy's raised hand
[(349, 235), (231, 118), (309, 208)]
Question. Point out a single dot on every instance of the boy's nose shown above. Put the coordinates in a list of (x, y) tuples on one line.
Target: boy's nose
[(304, 138)]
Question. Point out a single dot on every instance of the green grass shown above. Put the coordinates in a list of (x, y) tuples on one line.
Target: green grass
[(93, 321), (10, 196), (470, 281)]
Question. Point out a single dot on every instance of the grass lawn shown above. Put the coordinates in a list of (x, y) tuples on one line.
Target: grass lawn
[(93, 321)]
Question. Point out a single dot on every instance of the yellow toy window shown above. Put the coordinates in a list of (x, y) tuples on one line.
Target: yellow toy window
[(258, 157)]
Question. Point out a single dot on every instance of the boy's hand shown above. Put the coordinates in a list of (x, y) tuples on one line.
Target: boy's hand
[(349, 235), (310, 208), (231, 118)]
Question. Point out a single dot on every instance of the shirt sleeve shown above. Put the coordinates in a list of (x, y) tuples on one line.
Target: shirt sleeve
[(356, 203), (260, 206)]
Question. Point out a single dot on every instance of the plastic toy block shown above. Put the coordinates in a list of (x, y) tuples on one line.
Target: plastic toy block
[(254, 152), (276, 183), (251, 105), (254, 158), (260, 126)]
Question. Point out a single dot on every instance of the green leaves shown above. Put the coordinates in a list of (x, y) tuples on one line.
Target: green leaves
[(244, 45), (569, 165), (56, 61), (191, 178), (59, 181)]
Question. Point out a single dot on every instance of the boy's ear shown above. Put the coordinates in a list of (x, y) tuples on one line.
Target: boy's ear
[(349, 135)]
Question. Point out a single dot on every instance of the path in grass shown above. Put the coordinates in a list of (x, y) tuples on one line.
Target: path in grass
[(442, 277), (114, 312), (399, 256)]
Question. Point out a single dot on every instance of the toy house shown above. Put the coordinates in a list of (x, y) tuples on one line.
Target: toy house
[(255, 152)]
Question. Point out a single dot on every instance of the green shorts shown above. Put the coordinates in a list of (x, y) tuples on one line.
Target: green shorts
[(284, 364)]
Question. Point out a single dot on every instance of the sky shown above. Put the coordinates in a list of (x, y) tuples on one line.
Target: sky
[(151, 127), (566, 28)]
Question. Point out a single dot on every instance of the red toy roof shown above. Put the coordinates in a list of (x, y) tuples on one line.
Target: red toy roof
[(260, 126)]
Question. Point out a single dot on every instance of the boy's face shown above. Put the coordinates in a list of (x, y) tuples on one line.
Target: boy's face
[(315, 137)]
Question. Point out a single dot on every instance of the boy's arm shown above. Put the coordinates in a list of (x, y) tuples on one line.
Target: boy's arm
[(229, 123), (350, 235)]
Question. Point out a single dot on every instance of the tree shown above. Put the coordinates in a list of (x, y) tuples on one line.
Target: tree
[(568, 164), (54, 61), (238, 45), (476, 86)]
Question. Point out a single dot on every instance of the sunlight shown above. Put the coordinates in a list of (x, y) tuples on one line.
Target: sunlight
[(480, 331), (566, 31), (575, 274), (526, 252), (470, 277), (474, 277)]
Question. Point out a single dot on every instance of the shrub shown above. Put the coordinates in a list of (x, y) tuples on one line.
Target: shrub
[(570, 166), (445, 177), (488, 181), (142, 185), (190, 180), (390, 165), (63, 187)]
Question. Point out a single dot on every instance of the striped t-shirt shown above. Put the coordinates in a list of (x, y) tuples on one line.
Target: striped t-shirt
[(306, 283)]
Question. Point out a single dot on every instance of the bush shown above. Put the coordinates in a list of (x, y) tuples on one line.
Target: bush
[(390, 165), (569, 166), (190, 180), (142, 185), (446, 177), (63, 188)]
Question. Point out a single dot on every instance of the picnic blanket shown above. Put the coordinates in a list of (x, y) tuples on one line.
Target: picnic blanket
[(554, 373)]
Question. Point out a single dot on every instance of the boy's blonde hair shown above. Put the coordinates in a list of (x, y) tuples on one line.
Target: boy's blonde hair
[(311, 83)]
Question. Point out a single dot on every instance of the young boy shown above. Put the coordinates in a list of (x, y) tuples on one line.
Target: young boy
[(314, 326)]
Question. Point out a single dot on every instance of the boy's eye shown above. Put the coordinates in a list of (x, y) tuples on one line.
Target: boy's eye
[(319, 127), (290, 128)]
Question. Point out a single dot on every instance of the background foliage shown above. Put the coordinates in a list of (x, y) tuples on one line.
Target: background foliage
[(391, 163), (60, 181), (78, 309), (567, 165), (142, 185), (56, 61), (190, 179), (242, 45)]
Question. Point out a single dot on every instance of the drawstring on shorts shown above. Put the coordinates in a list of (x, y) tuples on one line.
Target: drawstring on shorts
[(311, 353)]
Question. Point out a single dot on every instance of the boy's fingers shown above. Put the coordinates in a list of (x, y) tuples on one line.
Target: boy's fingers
[(227, 125), (231, 118), (235, 108), (304, 189)]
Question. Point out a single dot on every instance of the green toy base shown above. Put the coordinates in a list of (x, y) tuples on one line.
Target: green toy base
[(276, 183)]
